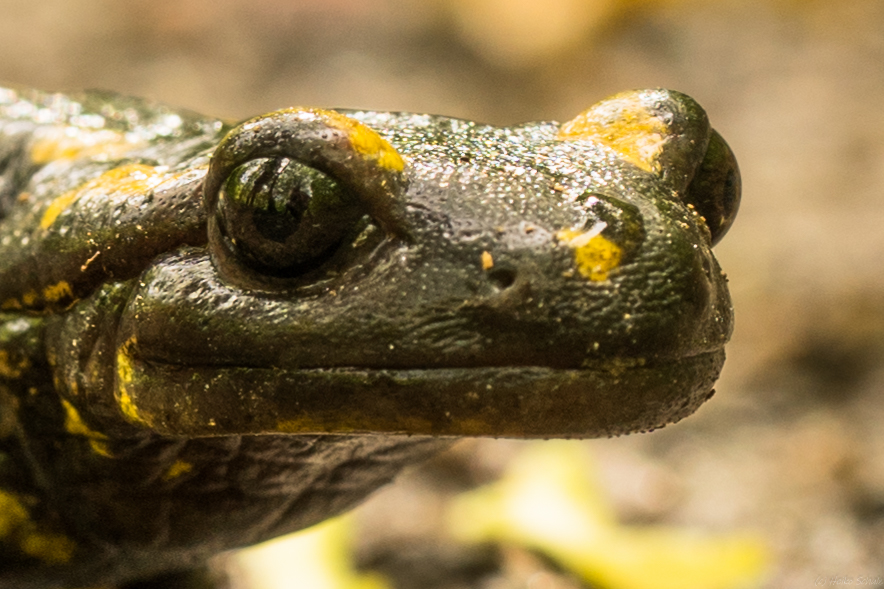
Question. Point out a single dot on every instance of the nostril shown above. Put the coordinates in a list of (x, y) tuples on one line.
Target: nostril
[(502, 278)]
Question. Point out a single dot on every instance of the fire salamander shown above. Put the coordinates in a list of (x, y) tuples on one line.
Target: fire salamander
[(214, 334)]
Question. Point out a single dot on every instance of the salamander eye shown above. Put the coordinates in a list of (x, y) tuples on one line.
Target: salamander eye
[(279, 216), (284, 189), (715, 189), (667, 133)]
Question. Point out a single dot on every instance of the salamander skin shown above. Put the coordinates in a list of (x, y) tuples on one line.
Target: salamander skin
[(212, 335)]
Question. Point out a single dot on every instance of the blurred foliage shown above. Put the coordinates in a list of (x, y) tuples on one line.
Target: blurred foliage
[(316, 558), (549, 501)]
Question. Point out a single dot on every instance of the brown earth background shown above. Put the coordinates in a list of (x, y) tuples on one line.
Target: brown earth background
[(792, 445)]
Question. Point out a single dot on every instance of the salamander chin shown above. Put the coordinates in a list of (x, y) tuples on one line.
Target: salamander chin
[(507, 401)]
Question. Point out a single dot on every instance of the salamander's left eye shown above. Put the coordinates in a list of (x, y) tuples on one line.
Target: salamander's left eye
[(715, 188), (279, 216), (667, 134), (284, 189)]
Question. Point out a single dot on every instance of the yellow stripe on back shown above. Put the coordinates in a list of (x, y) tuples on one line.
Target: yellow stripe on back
[(123, 181), (58, 143)]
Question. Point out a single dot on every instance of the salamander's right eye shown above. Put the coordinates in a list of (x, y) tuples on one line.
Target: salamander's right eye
[(278, 216), (284, 189)]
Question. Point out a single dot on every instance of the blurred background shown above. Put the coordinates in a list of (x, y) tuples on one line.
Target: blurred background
[(791, 449)]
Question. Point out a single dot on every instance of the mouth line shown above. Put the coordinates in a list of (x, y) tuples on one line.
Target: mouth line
[(499, 401), (614, 364)]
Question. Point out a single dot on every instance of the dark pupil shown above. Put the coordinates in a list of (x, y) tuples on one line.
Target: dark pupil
[(277, 202), (730, 194), (279, 216)]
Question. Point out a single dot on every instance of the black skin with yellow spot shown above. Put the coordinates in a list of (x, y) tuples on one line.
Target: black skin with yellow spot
[(211, 336)]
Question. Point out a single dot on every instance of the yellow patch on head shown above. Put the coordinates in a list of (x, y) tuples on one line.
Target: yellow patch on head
[(623, 124), (114, 184), (487, 261), (57, 143), (19, 530), (364, 140), (125, 376), (127, 406), (594, 254)]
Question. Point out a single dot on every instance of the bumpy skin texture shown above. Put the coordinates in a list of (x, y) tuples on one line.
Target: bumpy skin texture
[(184, 371)]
